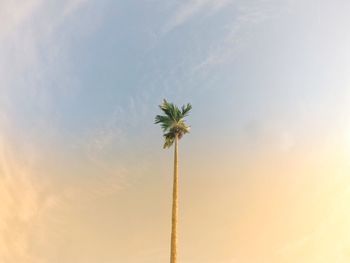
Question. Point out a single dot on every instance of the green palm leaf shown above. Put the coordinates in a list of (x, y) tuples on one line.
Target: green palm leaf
[(172, 122)]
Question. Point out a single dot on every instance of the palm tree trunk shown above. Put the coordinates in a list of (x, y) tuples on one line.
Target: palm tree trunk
[(174, 219)]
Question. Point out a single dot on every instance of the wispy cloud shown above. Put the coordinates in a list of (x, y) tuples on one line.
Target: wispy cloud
[(73, 5), (36, 70), (34, 44), (24, 201), (246, 16), (189, 9)]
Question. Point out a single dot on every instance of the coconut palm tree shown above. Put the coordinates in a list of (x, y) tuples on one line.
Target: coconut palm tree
[(174, 128)]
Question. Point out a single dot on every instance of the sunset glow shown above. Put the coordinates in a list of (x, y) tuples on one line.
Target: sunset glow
[(264, 173)]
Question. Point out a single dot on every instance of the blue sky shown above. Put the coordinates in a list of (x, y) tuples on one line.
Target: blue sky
[(252, 60), (248, 59)]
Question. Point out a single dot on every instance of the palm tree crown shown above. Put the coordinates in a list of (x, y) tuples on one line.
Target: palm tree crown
[(173, 122)]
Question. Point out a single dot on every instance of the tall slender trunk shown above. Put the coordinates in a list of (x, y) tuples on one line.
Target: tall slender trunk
[(174, 219)]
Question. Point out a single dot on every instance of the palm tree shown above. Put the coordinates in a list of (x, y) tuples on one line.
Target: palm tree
[(174, 128)]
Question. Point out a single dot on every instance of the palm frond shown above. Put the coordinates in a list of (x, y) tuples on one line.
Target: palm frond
[(165, 122), (185, 110), (173, 122), (170, 110)]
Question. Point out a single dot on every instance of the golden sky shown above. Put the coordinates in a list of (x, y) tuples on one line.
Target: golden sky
[(269, 205)]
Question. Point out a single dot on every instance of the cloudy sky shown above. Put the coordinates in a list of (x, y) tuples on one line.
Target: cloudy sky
[(264, 173)]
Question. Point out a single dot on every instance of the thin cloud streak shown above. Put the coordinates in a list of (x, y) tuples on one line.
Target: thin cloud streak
[(239, 31), (25, 202), (189, 9)]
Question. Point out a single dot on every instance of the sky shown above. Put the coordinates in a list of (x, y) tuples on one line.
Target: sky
[(264, 173)]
